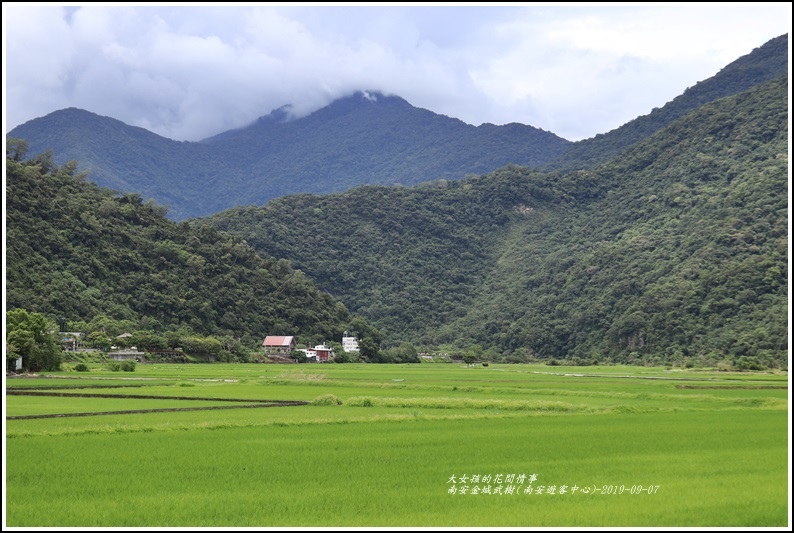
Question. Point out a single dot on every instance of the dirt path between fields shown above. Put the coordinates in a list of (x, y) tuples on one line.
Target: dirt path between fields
[(249, 403)]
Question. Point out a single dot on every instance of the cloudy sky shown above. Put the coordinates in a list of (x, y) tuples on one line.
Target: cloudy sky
[(190, 71)]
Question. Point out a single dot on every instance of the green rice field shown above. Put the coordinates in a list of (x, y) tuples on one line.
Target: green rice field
[(423, 445)]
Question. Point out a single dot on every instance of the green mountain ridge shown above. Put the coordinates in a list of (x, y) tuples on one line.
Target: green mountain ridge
[(671, 250), (81, 252), (365, 138), (674, 250), (353, 141)]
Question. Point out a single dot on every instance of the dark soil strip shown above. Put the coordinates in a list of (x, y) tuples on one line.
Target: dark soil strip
[(69, 387), (727, 387), (168, 410), (135, 396)]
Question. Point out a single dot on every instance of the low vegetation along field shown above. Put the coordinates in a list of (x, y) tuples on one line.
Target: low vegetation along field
[(397, 445)]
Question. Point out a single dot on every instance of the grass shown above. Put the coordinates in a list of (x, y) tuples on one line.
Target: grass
[(372, 451)]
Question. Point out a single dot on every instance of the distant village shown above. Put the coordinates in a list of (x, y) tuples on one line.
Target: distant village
[(276, 347)]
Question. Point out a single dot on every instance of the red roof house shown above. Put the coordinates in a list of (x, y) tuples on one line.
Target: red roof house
[(275, 345)]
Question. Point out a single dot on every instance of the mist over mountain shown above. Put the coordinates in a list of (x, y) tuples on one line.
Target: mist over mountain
[(366, 138)]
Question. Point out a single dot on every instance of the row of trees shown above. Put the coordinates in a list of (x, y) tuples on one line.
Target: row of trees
[(34, 338), (37, 340)]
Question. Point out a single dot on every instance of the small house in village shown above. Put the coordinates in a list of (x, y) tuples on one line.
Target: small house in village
[(323, 353), (319, 354), (277, 345)]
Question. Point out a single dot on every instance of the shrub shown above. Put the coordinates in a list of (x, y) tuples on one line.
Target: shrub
[(81, 367), (327, 399), (114, 367), (747, 363), (128, 365), (361, 401)]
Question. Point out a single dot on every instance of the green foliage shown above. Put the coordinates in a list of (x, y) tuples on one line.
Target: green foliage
[(341, 356), (368, 350), (97, 339), (674, 252), (128, 365), (32, 337), (404, 353), (149, 341), (201, 345), (678, 259), (327, 399), (298, 356), (408, 259), (113, 264), (16, 149), (81, 367)]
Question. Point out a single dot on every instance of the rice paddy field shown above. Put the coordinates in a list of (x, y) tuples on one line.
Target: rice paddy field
[(423, 445)]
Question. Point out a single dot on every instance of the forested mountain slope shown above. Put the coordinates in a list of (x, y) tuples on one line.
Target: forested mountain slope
[(78, 251), (684, 255), (675, 250)]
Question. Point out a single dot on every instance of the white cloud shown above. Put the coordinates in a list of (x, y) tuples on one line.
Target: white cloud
[(188, 72), (589, 71)]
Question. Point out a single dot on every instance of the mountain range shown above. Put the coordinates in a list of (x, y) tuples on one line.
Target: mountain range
[(676, 250), (663, 241), (365, 138)]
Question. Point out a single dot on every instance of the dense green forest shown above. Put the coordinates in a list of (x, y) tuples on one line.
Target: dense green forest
[(105, 260), (675, 252)]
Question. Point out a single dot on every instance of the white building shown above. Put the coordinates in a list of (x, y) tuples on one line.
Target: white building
[(349, 344)]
